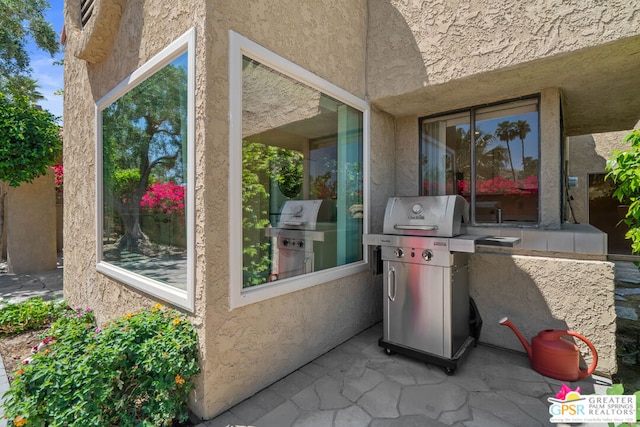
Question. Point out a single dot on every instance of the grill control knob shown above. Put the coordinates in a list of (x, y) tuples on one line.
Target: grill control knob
[(427, 255), (399, 253), (285, 242), (300, 243)]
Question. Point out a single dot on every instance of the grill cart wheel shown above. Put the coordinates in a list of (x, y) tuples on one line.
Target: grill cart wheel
[(389, 351)]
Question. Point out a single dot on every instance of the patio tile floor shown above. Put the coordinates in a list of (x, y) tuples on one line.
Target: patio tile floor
[(357, 384)]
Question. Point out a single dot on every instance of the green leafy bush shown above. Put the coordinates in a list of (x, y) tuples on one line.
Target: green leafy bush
[(624, 167), (29, 140), (137, 370), (618, 390), (29, 315)]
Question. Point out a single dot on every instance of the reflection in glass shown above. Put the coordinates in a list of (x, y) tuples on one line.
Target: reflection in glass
[(301, 178), (505, 144), (144, 139)]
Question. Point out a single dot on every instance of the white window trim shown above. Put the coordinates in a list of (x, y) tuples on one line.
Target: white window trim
[(181, 298), (240, 46)]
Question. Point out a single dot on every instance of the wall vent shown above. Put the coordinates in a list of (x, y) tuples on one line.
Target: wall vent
[(86, 10)]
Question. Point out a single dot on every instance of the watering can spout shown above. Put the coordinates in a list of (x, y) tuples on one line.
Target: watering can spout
[(506, 322)]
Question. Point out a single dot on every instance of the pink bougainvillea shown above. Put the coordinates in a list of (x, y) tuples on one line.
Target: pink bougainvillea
[(497, 185), (58, 172), (164, 197), (500, 185)]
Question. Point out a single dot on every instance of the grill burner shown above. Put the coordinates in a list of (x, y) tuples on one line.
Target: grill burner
[(428, 313)]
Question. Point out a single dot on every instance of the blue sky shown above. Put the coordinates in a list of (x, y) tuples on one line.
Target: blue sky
[(49, 76)]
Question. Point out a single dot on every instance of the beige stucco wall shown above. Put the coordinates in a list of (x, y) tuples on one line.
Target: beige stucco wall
[(258, 344), (427, 56), (145, 28), (31, 226), (539, 293), (383, 167), (438, 41), (248, 348)]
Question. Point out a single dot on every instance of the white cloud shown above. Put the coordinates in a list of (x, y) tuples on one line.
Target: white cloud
[(50, 79)]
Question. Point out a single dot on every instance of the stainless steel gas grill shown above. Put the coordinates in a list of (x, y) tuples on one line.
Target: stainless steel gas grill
[(300, 236), (428, 313)]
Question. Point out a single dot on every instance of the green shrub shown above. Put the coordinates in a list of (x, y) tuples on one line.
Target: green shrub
[(624, 172), (29, 315), (618, 390), (137, 370)]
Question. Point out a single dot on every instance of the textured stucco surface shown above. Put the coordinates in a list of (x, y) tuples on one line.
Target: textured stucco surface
[(449, 54), (383, 169), (250, 347), (407, 158), (539, 293), (550, 160), (145, 28), (93, 41), (31, 226), (452, 40), (255, 345)]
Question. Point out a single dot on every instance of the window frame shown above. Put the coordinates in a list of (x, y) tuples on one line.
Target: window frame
[(184, 299), (472, 112), (240, 46)]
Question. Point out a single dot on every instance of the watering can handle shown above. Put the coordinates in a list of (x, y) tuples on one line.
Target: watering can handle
[(594, 353)]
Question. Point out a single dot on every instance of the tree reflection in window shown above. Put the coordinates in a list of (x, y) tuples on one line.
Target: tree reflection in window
[(504, 186), (144, 176)]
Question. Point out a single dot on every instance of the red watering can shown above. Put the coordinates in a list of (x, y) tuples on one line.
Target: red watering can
[(553, 356)]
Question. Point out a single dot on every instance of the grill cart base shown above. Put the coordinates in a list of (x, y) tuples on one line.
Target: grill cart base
[(449, 365)]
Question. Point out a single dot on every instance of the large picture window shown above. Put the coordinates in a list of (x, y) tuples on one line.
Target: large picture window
[(298, 154), (145, 179), (488, 155)]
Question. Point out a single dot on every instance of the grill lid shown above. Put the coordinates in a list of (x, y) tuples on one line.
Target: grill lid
[(425, 215), (300, 214)]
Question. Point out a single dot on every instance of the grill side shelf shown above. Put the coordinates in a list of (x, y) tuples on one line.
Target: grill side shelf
[(507, 242)]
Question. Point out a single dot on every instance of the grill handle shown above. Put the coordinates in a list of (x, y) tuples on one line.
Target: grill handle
[(416, 227), (390, 274), (306, 265)]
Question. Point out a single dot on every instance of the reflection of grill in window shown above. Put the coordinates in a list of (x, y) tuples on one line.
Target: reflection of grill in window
[(86, 11)]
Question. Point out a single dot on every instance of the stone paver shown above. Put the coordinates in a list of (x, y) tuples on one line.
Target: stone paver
[(357, 384), (352, 416), (382, 401), (628, 313), (284, 415), (328, 390), (431, 400)]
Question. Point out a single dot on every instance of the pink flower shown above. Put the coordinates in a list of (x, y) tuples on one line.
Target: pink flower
[(58, 173), (166, 198), (564, 390)]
